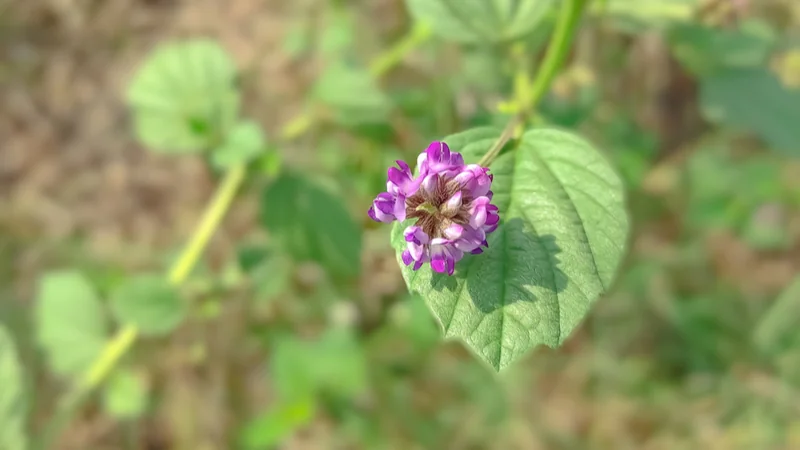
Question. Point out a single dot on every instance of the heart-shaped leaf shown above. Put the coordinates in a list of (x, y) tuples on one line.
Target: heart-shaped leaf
[(185, 97), (561, 239), (150, 303), (71, 325)]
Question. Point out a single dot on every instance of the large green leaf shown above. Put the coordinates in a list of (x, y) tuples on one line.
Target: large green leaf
[(475, 21), (184, 97), (148, 302), (562, 236), (71, 325), (312, 224), (12, 398), (754, 99)]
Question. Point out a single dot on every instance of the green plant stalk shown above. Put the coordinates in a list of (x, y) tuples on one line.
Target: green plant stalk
[(390, 58), (527, 96), (124, 339)]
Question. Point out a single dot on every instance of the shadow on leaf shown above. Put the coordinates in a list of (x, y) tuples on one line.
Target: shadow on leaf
[(519, 266)]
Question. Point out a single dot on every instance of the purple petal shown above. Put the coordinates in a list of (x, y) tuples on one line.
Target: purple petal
[(454, 231), (453, 204), (429, 183), (438, 152), (416, 235), (416, 250), (382, 209), (444, 257), (438, 263), (398, 177), (399, 208), (464, 179), (407, 259)]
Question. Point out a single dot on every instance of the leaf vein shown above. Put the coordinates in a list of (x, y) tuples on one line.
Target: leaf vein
[(578, 214)]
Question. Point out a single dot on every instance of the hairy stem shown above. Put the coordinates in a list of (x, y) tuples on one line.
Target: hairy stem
[(528, 95)]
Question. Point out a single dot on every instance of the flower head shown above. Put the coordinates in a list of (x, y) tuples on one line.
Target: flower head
[(451, 202)]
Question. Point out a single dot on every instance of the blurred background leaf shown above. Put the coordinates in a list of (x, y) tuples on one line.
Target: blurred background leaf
[(244, 143), (71, 324), (332, 364), (312, 224), (275, 425), (777, 329), (185, 97), (125, 395), (705, 50), (754, 100), (148, 302), (352, 94), (477, 21), (13, 411)]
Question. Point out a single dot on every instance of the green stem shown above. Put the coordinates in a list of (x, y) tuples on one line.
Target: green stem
[(528, 95), (390, 58), (560, 44), (124, 339)]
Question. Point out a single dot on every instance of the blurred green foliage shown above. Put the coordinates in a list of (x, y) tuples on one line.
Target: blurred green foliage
[(308, 331)]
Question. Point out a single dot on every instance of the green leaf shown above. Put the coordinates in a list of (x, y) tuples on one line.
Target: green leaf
[(334, 363), (184, 97), (777, 329), (275, 425), (12, 397), (125, 395), (561, 239), (150, 303), (244, 143), (71, 326), (352, 94), (704, 50), (270, 271), (480, 21), (312, 224), (754, 100)]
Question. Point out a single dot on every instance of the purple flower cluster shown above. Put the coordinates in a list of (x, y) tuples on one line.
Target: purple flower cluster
[(451, 202)]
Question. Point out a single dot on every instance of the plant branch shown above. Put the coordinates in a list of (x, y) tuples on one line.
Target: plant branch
[(528, 95)]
